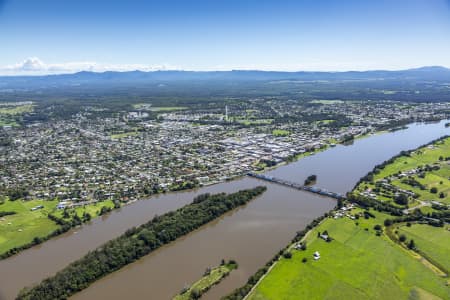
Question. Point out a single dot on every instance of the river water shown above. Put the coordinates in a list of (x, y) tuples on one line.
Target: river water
[(251, 235)]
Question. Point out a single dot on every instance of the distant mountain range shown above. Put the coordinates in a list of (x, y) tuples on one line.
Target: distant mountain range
[(435, 73)]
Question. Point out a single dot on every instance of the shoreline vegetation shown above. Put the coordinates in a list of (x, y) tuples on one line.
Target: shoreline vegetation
[(210, 278), (138, 242), (358, 246), (390, 230), (328, 145), (62, 225), (46, 221)]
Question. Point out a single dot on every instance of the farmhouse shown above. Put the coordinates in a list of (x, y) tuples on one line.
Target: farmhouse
[(37, 207), (316, 255), (324, 237)]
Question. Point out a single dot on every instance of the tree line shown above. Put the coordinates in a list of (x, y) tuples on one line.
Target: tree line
[(136, 243), (434, 219)]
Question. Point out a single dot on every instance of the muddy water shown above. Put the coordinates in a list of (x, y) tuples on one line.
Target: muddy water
[(251, 234), (37, 263), (339, 168)]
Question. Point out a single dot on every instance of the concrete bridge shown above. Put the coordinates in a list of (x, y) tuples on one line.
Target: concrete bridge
[(311, 189)]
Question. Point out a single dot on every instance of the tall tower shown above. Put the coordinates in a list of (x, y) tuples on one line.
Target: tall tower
[(226, 113)]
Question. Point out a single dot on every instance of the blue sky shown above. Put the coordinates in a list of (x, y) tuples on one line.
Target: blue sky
[(53, 36)]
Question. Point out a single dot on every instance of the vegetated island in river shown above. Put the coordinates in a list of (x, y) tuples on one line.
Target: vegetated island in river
[(370, 246), (210, 278), (138, 242)]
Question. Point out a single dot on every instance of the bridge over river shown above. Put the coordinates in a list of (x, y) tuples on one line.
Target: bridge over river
[(311, 189)]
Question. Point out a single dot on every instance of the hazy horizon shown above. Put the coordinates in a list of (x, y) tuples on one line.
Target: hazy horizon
[(50, 37), (58, 72)]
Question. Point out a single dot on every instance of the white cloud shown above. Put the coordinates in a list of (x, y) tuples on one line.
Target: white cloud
[(35, 66)]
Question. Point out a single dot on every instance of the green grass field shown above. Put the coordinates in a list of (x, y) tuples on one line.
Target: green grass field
[(326, 102), (146, 106), (16, 110), (434, 242), (92, 209), (247, 122), (207, 281), (280, 132), (325, 122), (9, 114), (357, 264), (19, 229), (6, 121), (168, 108), (421, 157)]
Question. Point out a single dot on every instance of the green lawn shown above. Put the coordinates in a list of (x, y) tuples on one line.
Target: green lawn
[(280, 132), (326, 102), (19, 229), (167, 108), (207, 281), (357, 264), (16, 110), (244, 121), (421, 157), (325, 122), (7, 121), (434, 242), (147, 106), (9, 115), (92, 209)]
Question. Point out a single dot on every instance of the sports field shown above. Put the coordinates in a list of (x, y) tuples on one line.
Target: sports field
[(22, 227)]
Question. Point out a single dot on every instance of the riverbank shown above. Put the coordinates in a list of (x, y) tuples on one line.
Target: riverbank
[(38, 233), (359, 247), (26, 224), (416, 249), (138, 242), (210, 278), (278, 213), (36, 221), (413, 178)]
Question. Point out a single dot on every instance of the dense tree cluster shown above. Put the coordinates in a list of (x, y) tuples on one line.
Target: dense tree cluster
[(377, 205), (310, 179), (414, 183), (7, 213), (137, 242), (17, 193)]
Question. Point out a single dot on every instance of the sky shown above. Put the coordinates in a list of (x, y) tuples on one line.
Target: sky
[(64, 36)]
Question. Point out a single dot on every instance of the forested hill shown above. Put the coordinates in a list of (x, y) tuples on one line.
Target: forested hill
[(91, 78), (138, 242), (430, 84)]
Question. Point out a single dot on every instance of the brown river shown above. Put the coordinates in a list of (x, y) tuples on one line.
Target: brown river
[(251, 235)]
